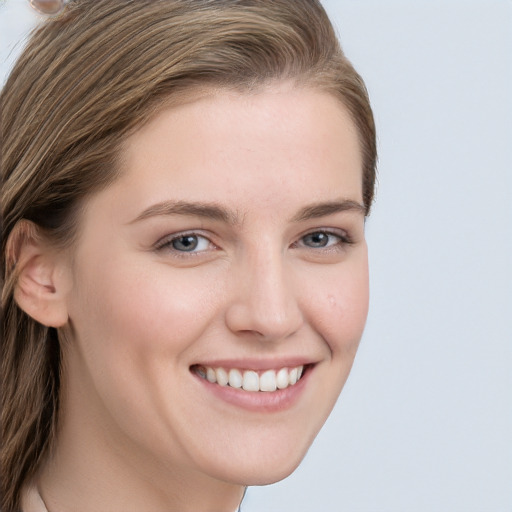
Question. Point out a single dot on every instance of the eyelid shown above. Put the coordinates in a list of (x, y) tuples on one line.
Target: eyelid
[(165, 243), (344, 237)]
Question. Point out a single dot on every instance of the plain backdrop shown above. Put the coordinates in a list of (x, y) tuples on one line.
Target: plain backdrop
[(424, 423)]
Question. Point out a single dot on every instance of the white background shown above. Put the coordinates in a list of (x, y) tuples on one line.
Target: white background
[(424, 423)]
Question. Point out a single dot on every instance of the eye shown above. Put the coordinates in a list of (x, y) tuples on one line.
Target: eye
[(189, 243), (185, 243), (322, 240)]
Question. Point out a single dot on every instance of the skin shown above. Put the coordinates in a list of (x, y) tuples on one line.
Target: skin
[(139, 430)]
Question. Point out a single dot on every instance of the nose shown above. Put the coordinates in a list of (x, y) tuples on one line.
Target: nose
[(265, 301)]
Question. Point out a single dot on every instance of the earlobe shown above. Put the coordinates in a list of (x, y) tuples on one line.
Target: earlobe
[(41, 285)]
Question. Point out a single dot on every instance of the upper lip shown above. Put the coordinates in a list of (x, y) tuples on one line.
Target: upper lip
[(258, 364)]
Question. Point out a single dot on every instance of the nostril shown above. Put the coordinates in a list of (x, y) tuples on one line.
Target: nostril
[(264, 319)]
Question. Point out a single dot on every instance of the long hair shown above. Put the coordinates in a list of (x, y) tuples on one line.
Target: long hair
[(86, 80)]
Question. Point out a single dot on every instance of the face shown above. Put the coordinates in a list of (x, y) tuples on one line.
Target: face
[(230, 249)]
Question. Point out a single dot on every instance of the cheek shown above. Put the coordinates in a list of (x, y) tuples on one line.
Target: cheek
[(134, 327), (147, 312), (340, 307)]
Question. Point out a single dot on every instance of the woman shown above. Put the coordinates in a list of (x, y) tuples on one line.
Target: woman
[(184, 189)]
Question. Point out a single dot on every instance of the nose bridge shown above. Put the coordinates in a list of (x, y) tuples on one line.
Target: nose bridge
[(266, 301)]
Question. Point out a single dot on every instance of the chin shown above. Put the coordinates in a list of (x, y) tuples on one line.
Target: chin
[(263, 469), (271, 475)]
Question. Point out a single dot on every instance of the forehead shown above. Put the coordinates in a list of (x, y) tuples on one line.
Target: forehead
[(280, 143), (286, 104)]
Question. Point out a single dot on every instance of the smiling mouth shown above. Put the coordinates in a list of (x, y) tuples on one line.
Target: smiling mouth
[(250, 380)]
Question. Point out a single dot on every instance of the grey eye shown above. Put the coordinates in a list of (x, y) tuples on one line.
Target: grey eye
[(185, 243), (319, 239)]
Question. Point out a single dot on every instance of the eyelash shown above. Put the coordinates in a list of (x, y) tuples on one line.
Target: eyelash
[(166, 244), (343, 239)]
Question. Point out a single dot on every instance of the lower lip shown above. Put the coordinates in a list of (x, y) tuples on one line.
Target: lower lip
[(259, 401)]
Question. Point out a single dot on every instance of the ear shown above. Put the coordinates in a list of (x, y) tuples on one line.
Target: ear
[(43, 279)]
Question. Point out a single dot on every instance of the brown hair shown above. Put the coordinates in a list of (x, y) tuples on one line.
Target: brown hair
[(87, 79)]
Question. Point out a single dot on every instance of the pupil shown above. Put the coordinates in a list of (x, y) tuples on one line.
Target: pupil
[(318, 239), (185, 243)]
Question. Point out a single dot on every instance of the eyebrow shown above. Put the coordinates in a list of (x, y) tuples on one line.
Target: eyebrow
[(216, 212), (323, 209), (206, 210)]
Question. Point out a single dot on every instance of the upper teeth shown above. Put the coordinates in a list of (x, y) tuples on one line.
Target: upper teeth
[(250, 380)]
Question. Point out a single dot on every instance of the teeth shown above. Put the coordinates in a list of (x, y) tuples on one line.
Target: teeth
[(210, 375), (235, 378), (250, 380), (222, 376), (268, 381), (283, 380)]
